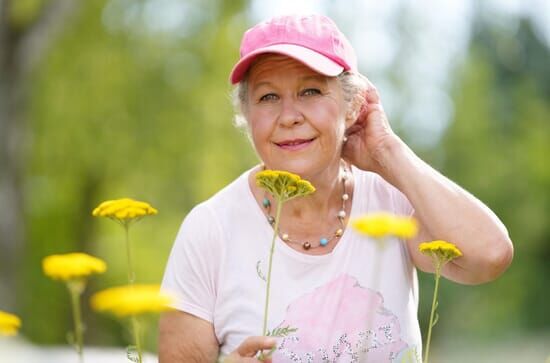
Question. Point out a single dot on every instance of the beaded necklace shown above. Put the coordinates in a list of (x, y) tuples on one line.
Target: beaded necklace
[(323, 241)]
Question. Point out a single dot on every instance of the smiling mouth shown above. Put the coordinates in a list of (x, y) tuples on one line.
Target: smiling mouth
[(293, 145)]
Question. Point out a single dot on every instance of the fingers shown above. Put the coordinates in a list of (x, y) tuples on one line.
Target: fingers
[(366, 111), (251, 345), (371, 93), (371, 107), (355, 128), (246, 352)]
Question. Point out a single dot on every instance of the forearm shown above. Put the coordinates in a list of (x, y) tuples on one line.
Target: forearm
[(186, 338), (448, 212)]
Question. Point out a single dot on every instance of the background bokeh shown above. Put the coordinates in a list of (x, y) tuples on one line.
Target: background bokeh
[(109, 98)]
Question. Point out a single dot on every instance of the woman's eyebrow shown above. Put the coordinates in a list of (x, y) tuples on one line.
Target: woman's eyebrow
[(260, 84), (315, 77)]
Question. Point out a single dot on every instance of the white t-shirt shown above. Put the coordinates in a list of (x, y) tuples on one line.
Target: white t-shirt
[(358, 299)]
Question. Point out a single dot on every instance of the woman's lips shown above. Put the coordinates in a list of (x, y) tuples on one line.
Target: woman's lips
[(294, 145)]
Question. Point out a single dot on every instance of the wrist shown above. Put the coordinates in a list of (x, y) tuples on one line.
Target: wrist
[(395, 160)]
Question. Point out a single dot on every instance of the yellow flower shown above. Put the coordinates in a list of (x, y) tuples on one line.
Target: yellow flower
[(283, 185), (380, 225), (72, 266), (442, 250), (441, 253), (9, 324), (131, 300), (124, 209)]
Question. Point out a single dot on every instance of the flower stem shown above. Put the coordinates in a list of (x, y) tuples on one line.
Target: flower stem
[(137, 336), (268, 284), (75, 291), (131, 274), (374, 282), (432, 314)]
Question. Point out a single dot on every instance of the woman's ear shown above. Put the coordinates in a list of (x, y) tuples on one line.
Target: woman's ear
[(355, 107)]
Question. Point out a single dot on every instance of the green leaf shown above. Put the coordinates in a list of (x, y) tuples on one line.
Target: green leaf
[(436, 318), (259, 271), (132, 353), (281, 332)]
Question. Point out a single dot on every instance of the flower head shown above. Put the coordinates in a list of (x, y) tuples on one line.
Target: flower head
[(124, 210), (380, 225), (131, 300), (72, 266), (283, 185), (441, 253), (441, 250), (9, 323)]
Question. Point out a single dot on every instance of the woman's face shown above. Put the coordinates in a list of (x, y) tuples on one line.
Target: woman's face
[(296, 116)]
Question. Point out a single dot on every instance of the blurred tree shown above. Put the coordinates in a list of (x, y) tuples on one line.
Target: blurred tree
[(497, 148), (27, 28), (132, 101)]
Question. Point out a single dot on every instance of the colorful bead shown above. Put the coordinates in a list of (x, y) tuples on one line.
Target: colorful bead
[(323, 241)]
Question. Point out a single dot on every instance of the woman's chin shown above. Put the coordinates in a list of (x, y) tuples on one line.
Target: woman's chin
[(303, 168), (286, 166)]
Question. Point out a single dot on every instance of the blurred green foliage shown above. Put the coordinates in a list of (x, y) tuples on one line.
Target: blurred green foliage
[(120, 108), (498, 149), (124, 112)]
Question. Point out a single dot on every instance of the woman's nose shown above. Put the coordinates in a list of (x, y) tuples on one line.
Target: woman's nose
[(290, 114)]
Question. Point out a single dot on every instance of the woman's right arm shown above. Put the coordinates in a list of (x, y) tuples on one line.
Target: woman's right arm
[(186, 338)]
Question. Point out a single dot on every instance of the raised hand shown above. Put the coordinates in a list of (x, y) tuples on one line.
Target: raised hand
[(370, 135)]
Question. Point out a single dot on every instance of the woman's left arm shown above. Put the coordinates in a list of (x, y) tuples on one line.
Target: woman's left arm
[(448, 212), (444, 210)]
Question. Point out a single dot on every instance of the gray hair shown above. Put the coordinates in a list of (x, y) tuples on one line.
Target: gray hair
[(353, 87)]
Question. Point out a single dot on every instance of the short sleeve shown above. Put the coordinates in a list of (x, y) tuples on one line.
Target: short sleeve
[(401, 204), (389, 198), (191, 273)]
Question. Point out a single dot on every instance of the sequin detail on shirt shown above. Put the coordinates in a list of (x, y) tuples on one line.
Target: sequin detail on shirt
[(340, 321)]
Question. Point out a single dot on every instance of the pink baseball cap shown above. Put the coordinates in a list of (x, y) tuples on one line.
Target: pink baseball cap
[(314, 40)]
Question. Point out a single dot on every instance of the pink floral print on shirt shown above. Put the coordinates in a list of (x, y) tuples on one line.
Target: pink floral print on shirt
[(340, 321)]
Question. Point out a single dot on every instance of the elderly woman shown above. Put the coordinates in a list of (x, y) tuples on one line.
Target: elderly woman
[(308, 111)]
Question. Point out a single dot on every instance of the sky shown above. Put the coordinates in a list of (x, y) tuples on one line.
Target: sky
[(425, 58), (409, 49)]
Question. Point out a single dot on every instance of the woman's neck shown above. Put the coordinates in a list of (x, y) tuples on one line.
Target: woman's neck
[(327, 197), (318, 209), (310, 218)]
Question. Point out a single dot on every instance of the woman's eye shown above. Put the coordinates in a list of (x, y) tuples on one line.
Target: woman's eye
[(268, 97), (311, 92)]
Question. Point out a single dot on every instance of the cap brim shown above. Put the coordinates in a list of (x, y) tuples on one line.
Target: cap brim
[(308, 57)]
